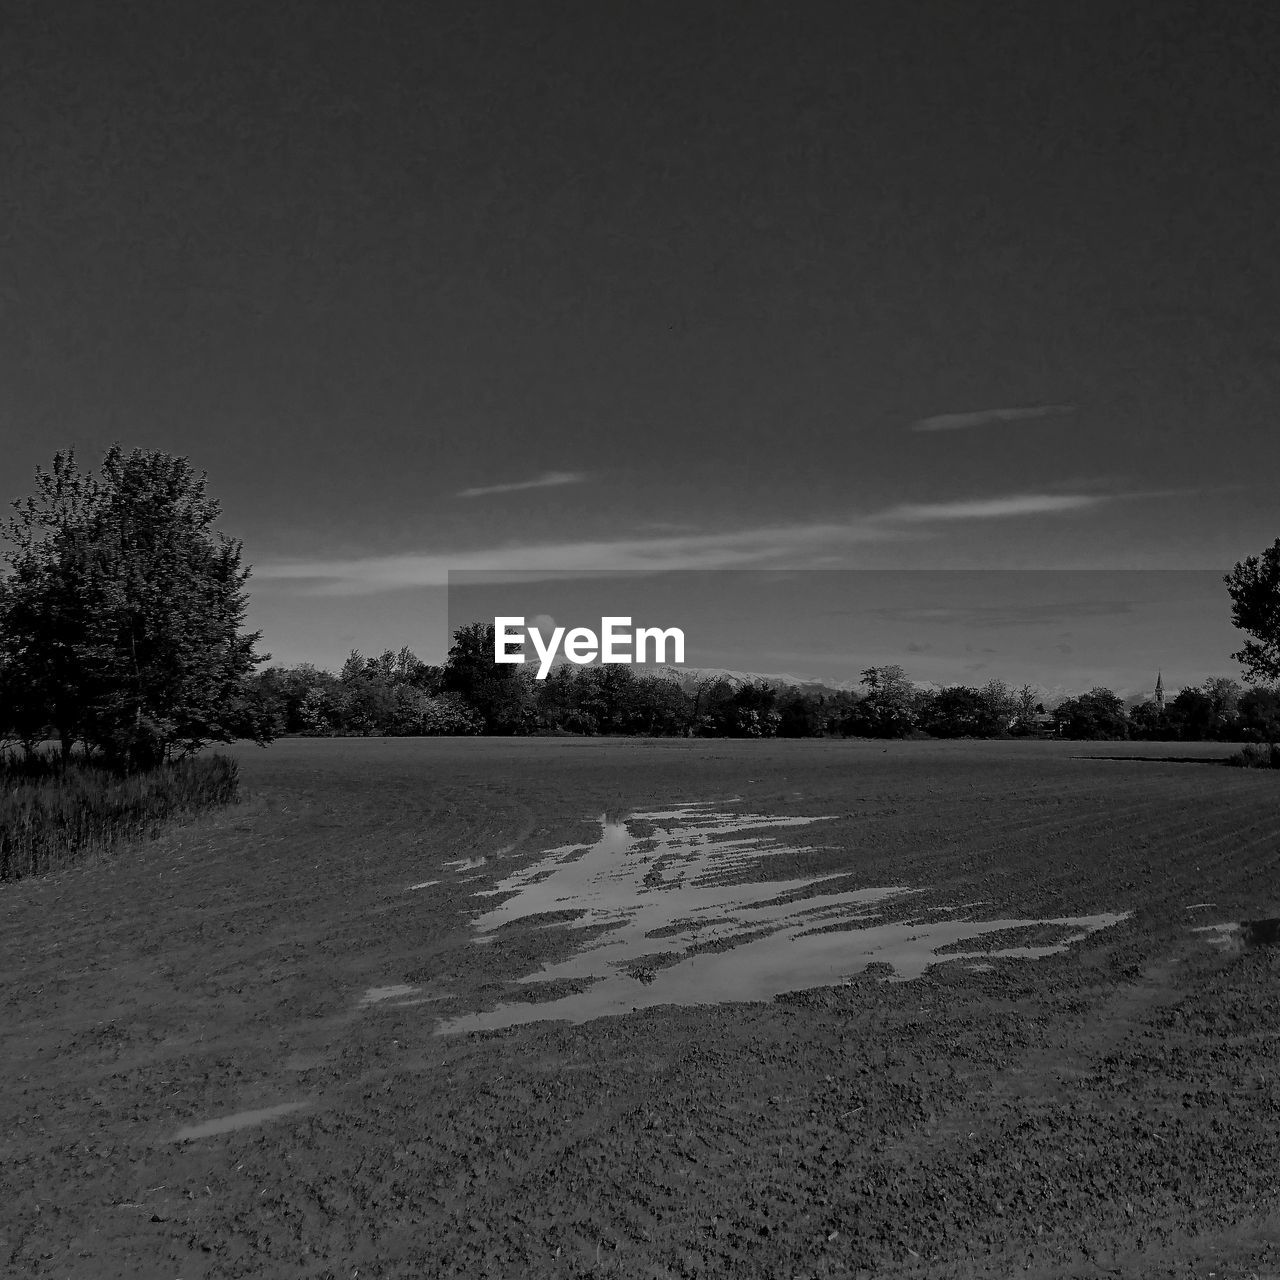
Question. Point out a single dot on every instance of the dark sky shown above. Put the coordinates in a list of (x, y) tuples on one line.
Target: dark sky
[(683, 285)]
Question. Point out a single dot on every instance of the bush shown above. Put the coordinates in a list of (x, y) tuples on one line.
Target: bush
[(51, 816), (1258, 755)]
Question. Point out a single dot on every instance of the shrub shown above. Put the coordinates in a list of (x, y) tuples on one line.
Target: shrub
[(52, 816), (1258, 755)]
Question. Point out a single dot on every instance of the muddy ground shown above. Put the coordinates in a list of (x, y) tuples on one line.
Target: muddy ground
[(1112, 1109)]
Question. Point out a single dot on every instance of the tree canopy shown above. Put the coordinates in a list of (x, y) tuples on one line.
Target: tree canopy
[(1254, 587), (121, 613)]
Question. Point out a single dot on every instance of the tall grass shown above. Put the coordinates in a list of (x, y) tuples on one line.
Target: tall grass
[(51, 817), (1258, 755)]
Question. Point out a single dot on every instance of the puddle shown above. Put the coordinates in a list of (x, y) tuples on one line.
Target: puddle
[(1260, 933), (1244, 934), (422, 884), (467, 864), (401, 996), (376, 995), (405, 1004), (678, 922), (241, 1120)]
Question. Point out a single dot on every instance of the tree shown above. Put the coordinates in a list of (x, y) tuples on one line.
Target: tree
[(1254, 588), (802, 714), (1205, 714), (1224, 693), (1001, 705), (1098, 714), (1150, 722), (501, 692), (122, 610), (1191, 716), (958, 712), (1260, 716), (1025, 703), (890, 708)]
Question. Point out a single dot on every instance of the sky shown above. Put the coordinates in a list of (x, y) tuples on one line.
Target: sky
[(500, 286)]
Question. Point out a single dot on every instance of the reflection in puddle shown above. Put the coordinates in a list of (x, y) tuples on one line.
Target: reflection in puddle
[(1239, 936), (677, 922), (422, 884), (467, 864), (1260, 933), (401, 996), (241, 1120), (376, 995)]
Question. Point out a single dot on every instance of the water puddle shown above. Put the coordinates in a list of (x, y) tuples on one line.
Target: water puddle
[(466, 864), (1243, 935), (241, 1120), (422, 884), (401, 996), (675, 919), (1260, 933), (377, 995)]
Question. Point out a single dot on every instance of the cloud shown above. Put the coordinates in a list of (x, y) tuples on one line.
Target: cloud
[(1018, 504), (816, 545), (747, 548), (547, 480), (985, 417), (1004, 615)]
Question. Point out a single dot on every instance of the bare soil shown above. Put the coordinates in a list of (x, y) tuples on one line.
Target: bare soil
[(1113, 1109)]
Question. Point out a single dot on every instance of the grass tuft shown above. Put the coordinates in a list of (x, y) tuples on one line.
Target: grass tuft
[(51, 817)]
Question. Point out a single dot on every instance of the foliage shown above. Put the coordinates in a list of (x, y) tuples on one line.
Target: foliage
[(1259, 716), (1149, 721), (1254, 588), (120, 617), (502, 693), (396, 693), (1258, 755), (53, 814), (891, 707), (1098, 714), (802, 713)]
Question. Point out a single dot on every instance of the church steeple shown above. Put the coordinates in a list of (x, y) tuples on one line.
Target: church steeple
[(1160, 690)]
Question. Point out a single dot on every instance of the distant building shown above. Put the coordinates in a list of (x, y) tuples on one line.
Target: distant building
[(1160, 690)]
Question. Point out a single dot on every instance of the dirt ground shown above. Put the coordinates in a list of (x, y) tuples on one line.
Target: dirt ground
[(1113, 1109)]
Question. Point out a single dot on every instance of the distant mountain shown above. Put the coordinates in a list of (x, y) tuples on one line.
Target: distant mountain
[(687, 677)]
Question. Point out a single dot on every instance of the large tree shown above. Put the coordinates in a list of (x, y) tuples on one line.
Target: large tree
[(1098, 714), (1254, 587), (501, 692), (891, 706), (122, 610)]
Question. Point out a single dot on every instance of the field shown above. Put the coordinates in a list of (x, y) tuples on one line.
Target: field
[(247, 1048)]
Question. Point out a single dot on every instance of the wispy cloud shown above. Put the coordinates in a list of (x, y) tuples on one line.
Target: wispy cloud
[(1003, 615), (985, 417), (547, 480), (740, 549), (1018, 504), (793, 546)]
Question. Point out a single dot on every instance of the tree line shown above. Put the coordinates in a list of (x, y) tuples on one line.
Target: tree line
[(121, 631), (398, 694)]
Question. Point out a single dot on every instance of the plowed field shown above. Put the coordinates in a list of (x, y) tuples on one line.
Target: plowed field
[(250, 1049)]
